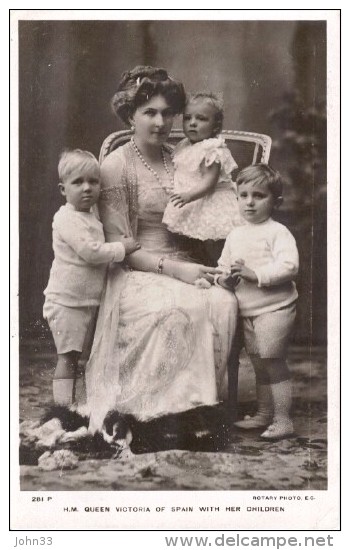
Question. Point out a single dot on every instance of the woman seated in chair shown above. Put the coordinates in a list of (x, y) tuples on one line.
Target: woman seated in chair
[(161, 344)]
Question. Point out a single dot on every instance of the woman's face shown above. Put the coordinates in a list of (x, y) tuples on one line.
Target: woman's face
[(153, 121)]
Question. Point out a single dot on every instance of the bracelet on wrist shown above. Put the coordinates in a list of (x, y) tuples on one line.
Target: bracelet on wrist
[(159, 269)]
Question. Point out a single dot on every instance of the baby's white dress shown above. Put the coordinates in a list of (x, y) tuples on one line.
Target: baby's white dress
[(214, 215)]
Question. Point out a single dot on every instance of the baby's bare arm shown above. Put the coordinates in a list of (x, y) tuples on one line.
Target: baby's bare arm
[(210, 177)]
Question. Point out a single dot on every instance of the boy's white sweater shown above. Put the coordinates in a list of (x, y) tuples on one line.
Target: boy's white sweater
[(269, 249), (81, 258)]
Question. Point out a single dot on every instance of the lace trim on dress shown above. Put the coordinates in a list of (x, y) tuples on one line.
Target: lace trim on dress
[(190, 156), (126, 192), (223, 156), (115, 196), (130, 182)]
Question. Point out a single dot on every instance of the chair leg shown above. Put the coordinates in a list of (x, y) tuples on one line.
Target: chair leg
[(233, 367)]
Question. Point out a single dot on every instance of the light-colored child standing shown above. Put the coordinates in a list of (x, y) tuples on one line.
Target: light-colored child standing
[(260, 262), (78, 270), (204, 205)]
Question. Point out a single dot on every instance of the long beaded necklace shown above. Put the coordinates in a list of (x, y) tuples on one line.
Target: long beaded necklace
[(150, 169)]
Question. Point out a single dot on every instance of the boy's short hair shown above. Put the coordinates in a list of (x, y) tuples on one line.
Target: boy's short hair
[(213, 100), (262, 173), (71, 159)]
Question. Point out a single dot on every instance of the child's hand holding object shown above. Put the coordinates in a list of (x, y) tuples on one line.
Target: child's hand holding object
[(240, 271)]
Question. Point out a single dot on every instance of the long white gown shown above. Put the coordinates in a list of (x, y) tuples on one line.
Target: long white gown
[(161, 346)]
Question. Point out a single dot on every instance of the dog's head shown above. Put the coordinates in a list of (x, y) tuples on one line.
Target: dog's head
[(116, 431)]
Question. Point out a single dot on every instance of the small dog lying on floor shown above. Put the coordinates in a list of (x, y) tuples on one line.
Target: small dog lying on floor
[(200, 429)]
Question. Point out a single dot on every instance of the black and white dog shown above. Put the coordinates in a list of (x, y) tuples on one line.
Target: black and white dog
[(200, 429)]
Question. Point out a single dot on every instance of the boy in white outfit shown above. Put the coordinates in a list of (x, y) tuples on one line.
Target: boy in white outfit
[(79, 267), (260, 262)]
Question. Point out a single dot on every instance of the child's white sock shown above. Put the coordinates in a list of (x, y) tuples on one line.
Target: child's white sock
[(282, 425), (264, 413), (63, 391)]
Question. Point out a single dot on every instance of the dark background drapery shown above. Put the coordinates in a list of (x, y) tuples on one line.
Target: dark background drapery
[(273, 78)]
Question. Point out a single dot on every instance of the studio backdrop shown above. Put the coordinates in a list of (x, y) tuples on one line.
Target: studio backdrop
[(272, 75)]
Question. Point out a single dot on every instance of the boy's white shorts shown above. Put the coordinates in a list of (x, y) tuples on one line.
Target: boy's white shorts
[(69, 325), (268, 335)]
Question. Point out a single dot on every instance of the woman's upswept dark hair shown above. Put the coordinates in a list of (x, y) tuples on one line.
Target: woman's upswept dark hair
[(140, 85)]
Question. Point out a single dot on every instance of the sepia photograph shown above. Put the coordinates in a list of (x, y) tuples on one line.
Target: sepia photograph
[(172, 191)]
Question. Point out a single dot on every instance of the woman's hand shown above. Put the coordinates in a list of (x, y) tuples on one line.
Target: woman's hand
[(189, 273), (202, 283), (180, 199)]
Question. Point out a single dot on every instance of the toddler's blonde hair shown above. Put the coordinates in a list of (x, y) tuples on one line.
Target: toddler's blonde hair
[(213, 99), (75, 158)]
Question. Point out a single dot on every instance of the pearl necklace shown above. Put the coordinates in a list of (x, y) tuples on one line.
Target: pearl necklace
[(150, 169)]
